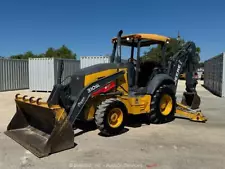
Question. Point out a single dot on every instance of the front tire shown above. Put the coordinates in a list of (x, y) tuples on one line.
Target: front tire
[(163, 105), (110, 116)]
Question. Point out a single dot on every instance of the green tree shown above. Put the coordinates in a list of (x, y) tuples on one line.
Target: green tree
[(42, 55), (64, 52), (155, 53), (26, 55), (19, 56), (50, 53), (198, 49), (29, 54)]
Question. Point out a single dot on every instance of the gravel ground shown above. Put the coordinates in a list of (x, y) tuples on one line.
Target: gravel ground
[(181, 144)]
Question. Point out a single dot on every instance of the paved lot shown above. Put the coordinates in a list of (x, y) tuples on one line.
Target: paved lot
[(180, 144)]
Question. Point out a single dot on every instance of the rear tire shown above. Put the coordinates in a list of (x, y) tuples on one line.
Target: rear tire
[(163, 105), (110, 116)]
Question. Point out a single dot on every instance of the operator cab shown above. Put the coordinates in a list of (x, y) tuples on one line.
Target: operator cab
[(139, 73)]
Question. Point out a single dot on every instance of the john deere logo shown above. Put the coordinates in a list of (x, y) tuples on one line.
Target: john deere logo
[(177, 72), (81, 102), (93, 88)]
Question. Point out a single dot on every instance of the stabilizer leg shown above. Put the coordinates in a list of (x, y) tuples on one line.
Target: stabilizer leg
[(189, 107), (193, 115)]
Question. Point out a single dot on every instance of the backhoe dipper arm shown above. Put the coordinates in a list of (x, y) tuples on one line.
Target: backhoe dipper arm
[(184, 59)]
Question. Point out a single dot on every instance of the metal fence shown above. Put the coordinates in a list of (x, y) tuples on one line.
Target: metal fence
[(13, 74), (70, 67), (214, 75), (40, 74), (43, 72), (86, 61)]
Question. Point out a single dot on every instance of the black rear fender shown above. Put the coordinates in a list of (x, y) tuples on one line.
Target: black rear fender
[(157, 81)]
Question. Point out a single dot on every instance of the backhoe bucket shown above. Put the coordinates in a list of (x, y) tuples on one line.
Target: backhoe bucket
[(191, 99), (41, 129)]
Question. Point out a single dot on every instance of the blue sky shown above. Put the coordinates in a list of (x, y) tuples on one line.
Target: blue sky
[(87, 26)]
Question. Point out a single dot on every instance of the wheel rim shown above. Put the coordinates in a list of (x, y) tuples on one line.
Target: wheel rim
[(115, 117), (166, 105)]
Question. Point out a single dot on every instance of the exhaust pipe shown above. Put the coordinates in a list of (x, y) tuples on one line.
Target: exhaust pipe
[(118, 58), (113, 58)]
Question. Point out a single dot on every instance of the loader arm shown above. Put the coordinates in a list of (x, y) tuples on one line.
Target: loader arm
[(85, 94), (75, 105)]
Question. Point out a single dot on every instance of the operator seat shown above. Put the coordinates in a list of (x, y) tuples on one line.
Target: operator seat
[(134, 90)]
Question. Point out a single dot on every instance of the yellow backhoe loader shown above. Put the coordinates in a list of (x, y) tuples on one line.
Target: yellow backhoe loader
[(107, 94)]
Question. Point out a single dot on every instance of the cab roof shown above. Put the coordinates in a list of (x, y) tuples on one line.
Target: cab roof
[(146, 39)]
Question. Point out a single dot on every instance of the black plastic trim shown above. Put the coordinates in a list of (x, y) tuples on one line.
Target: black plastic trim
[(85, 94)]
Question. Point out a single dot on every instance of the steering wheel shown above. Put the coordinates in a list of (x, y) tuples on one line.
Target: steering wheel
[(134, 60)]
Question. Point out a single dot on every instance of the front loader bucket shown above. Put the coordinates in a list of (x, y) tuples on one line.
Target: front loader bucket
[(191, 99), (41, 129)]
